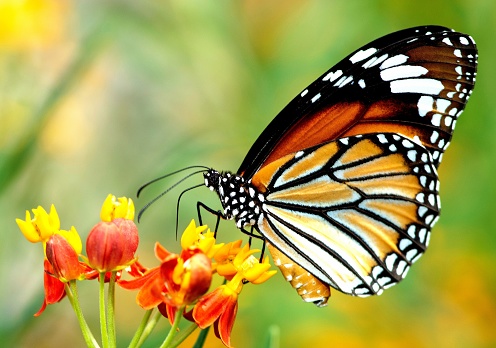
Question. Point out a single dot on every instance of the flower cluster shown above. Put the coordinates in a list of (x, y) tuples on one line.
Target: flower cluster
[(178, 286), (110, 245), (181, 281)]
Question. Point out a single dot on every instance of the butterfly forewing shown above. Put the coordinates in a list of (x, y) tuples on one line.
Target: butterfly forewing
[(358, 219), (414, 82)]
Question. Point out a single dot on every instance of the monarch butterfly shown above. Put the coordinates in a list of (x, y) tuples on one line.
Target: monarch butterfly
[(342, 184)]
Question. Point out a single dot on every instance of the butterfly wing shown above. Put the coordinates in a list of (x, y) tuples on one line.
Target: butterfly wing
[(355, 213), (414, 82)]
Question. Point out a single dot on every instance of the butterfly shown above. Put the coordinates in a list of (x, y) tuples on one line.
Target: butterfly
[(342, 185)]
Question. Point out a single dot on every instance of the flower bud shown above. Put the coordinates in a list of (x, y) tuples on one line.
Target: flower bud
[(111, 245), (63, 258)]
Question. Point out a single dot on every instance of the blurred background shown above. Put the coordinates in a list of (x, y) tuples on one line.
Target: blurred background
[(99, 97)]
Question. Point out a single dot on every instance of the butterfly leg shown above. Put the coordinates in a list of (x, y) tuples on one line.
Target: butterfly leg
[(217, 213)]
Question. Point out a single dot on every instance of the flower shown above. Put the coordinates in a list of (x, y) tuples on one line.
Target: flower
[(54, 288), (112, 243), (186, 277), (193, 237), (220, 306), (64, 259), (177, 282), (42, 226), (114, 208)]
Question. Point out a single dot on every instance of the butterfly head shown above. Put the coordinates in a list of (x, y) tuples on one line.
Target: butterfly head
[(239, 199)]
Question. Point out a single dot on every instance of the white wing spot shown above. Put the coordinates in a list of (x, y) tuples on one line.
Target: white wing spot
[(447, 41), (436, 120), (374, 61), (382, 138), (333, 75), (463, 40), (434, 137), (393, 61), (361, 55), (316, 97), (425, 104), (402, 72), (425, 86)]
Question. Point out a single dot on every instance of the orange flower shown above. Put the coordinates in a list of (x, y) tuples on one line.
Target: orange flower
[(54, 288), (177, 282), (112, 243), (64, 259), (220, 306)]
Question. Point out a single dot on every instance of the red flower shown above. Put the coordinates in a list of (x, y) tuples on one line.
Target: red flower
[(54, 288), (111, 245), (219, 308), (64, 259), (178, 281)]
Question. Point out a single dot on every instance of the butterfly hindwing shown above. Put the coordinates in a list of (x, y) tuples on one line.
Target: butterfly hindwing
[(355, 213)]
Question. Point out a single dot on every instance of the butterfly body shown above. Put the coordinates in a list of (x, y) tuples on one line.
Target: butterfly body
[(342, 184)]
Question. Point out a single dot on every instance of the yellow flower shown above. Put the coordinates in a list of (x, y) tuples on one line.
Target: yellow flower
[(115, 208), (193, 237), (42, 226)]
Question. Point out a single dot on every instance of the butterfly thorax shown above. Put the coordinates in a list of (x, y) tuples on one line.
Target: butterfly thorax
[(239, 198)]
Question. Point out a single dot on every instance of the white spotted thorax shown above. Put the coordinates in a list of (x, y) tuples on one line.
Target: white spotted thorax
[(238, 198)]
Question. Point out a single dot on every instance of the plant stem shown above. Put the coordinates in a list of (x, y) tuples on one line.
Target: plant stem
[(111, 311), (74, 299), (183, 334), (173, 329), (149, 328), (103, 319), (141, 328)]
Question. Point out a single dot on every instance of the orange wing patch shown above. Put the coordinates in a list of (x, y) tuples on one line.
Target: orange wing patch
[(321, 192), (310, 288), (385, 165), (264, 176), (325, 125), (311, 163), (359, 151)]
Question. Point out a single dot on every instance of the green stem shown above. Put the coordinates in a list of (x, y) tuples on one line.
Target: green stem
[(74, 299), (200, 341), (111, 311), (173, 329), (141, 329), (183, 334), (103, 319), (149, 328)]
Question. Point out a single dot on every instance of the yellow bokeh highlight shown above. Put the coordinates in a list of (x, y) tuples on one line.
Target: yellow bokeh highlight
[(27, 23)]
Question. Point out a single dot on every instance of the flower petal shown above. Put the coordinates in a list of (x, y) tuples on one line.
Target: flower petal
[(226, 322), (210, 307)]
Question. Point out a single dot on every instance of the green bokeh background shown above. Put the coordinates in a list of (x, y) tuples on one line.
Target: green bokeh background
[(98, 97)]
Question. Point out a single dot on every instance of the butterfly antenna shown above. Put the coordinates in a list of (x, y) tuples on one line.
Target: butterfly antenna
[(169, 174), (140, 214), (179, 201)]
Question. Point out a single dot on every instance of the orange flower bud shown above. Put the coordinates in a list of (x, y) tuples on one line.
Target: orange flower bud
[(111, 245), (63, 258), (187, 277)]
